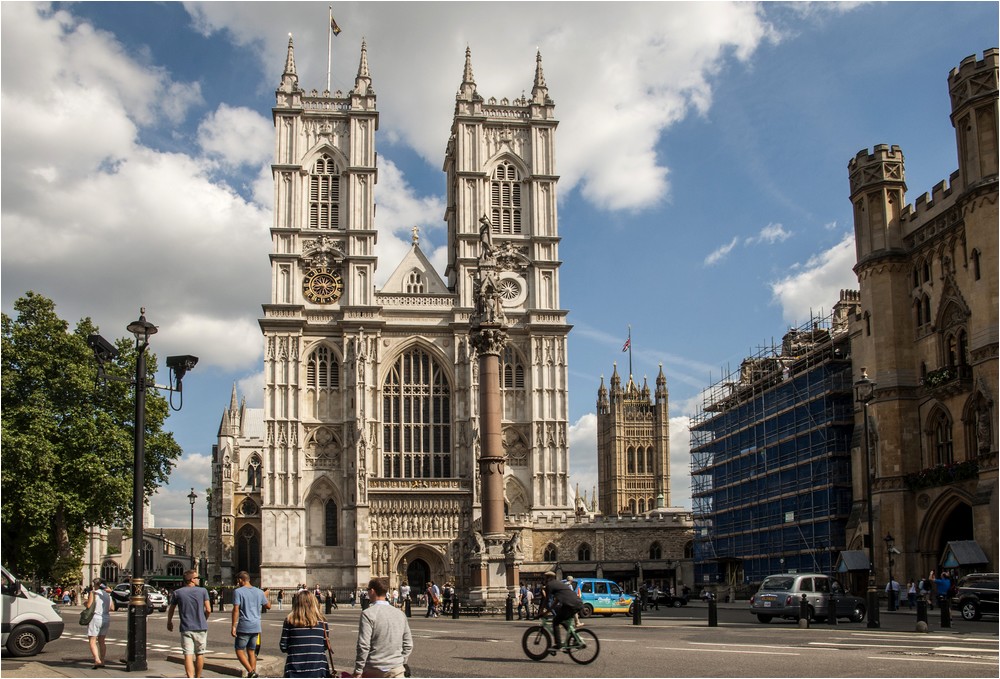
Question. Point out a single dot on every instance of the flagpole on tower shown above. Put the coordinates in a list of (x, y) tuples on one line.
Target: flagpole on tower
[(329, 48), (630, 351)]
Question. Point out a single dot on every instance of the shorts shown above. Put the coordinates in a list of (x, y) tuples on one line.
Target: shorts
[(246, 640), (194, 642), (98, 626)]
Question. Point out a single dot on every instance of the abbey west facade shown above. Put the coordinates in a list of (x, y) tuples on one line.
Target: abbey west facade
[(363, 460)]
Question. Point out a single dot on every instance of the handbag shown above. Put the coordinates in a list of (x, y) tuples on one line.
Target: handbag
[(87, 614), (330, 671)]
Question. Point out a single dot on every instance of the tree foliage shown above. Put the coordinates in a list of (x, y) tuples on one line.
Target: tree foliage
[(67, 454)]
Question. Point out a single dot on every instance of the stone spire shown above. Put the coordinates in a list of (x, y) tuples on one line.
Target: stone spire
[(233, 401), (539, 91), (363, 82), (468, 88), (661, 385), (289, 78)]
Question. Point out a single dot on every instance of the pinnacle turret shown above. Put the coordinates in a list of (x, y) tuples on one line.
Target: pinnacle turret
[(233, 400), (468, 88), (289, 78), (539, 91), (363, 81)]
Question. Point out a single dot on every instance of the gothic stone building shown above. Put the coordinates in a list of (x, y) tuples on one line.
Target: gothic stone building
[(927, 334), (363, 460)]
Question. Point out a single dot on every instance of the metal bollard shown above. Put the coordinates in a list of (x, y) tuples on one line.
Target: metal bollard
[(945, 612), (406, 608), (454, 609), (713, 613), (921, 610), (636, 612), (329, 605), (509, 609), (804, 611), (831, 611)]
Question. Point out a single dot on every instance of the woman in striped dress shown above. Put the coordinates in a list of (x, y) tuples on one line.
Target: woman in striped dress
[(305, 638)]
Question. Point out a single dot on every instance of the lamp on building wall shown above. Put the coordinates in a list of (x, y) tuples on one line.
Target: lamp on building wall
[(192, 498), (864, 392), (104, 351)]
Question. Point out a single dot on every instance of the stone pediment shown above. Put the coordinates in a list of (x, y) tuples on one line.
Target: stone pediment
[(415, 275)]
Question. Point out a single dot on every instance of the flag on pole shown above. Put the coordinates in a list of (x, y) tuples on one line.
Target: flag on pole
[(628, 343), (333, 26)]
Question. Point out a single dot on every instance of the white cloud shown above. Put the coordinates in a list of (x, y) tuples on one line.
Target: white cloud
[(817, 284), (237, 136), (583, 455), (770, 234), (614, 99), (720, 252), (252, 387), (171, 506), (680, 461)]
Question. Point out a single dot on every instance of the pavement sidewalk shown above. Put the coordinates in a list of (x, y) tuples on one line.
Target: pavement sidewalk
[(168, 666)]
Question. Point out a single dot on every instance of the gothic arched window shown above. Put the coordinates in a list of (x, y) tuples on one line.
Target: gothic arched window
[(642, 505), (583, 552), (512, 369), (550, 553), (147, 556), (416, 416), (324, 194), (630, 461), (941, 438), (655, 551), (175, 569), (505, 199), (414, 283), (248, 550), (254, 475), (330, 523), (975, 264), (322, 369), (109, 571), (649, 461)]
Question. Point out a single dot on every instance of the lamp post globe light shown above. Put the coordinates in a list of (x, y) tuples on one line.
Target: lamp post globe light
[(864, 391), (135, 658), (192, 498)]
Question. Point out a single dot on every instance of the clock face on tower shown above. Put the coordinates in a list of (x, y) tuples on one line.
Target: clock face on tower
[(322, 285)]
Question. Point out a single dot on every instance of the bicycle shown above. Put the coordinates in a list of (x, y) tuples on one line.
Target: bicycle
[(581, 645)]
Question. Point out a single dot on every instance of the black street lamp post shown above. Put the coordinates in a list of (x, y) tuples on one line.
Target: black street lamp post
[(135, 658), (192, 498), (864, 392)]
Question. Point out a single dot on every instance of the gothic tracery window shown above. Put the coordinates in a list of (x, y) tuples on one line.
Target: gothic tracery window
[(175, 569), (941, 438), (583, 553), (416, 418), (512, 369), (109, 571), (505, 199), (254, 475), (330, 523), (322, 369), (550, 553), (414, 283), (324, 194), (655, 551)]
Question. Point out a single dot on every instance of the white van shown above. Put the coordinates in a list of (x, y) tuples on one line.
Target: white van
[(29, 621)]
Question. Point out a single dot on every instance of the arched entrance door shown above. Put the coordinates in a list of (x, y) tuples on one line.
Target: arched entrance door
[(958, 526), (248, 552), (417, 575)]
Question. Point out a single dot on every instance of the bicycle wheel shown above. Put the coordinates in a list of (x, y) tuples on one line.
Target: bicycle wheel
[(587, 653), (536, 642)]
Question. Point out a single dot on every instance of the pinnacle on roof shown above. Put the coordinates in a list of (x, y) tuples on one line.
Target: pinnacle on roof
[(289, 79), (468, 87), (363, 81), (290, 58), (539, 91), (233, 403)]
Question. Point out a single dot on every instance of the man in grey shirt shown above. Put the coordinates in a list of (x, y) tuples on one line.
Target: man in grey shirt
[(384, 640)]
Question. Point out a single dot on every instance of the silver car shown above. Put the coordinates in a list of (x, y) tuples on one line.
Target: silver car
[(780, 596)]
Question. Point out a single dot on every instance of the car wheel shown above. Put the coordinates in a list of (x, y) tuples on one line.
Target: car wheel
[(678, 603), (970, 611), (764, 618), (25, 640), (858, 614), (586, 611)]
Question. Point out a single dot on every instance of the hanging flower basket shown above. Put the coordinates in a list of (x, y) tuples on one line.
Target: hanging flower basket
[(942, 475)]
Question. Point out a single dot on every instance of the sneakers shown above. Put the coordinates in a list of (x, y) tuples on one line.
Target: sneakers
[(252, 675)]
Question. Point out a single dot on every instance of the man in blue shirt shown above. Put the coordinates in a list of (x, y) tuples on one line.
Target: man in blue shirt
[(192, 602), (248, 603)]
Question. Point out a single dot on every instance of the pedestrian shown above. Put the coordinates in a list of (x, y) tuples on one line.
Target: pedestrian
[(562, 601), (305, 637), (433, 597), (522, 602), (943, 584), (213, 597), (643, 596), (384, 639), (97, 629), (404, 594), (892, 592), (332, 593), (248, 603), (194, 608), (281, 598), (911, 594)]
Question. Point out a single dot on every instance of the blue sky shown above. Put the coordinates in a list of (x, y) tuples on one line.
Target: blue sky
[(702, 150)]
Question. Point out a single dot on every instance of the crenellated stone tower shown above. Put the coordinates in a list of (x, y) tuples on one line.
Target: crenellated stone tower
[(633, 446), (927, 332), (370, 434)]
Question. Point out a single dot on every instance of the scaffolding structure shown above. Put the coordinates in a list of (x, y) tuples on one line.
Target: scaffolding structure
[(770, 458)]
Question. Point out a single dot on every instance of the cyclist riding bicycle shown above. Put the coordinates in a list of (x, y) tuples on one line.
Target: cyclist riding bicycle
[(562, 601)]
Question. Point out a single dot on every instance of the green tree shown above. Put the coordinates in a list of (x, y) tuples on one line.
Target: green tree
[(68, 441)]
